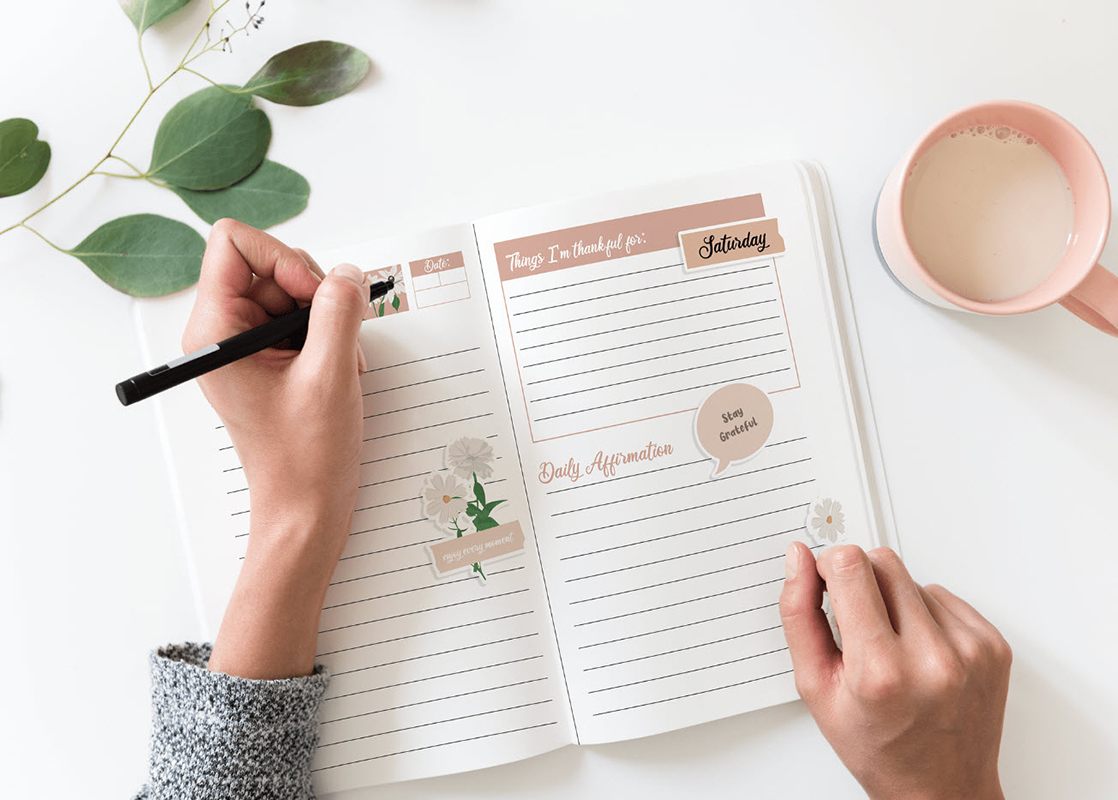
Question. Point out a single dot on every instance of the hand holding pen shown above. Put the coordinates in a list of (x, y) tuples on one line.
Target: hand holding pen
[(275, 319), (295, 419)]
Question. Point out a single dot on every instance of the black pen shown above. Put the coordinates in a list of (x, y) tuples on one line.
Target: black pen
[(291, 326)]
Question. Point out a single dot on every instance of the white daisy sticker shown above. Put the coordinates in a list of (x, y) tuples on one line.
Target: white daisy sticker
[(826, 521), (444, 498), (470, 457)]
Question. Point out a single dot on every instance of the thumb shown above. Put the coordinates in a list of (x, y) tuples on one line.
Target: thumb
[(810, 643), (337, 309)]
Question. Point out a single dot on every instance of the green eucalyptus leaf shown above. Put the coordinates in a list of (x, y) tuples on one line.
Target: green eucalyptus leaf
[(144, 255), (209, 140), (23, 156), (145, 13), (270, 195), (309, 74)]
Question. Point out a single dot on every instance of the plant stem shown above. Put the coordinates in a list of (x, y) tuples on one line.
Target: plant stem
[(152, 89), (139, 172), (120, 175), (45, 239), (143, 59), (210, 81)]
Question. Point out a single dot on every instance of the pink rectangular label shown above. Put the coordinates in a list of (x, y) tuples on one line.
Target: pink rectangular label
[(478, 547), (617, 238), (725, 244), (427, 266)]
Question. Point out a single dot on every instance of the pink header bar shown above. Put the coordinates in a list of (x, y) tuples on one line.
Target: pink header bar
[(428, 266), (617, 238)]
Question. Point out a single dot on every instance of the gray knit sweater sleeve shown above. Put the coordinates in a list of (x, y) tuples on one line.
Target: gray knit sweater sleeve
[(217, 736)]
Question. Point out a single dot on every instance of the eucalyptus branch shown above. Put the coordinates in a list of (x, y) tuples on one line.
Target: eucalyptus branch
[(210, 150), (187, 58)]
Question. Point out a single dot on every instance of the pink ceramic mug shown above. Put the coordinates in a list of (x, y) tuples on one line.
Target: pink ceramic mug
[(1077, 282)]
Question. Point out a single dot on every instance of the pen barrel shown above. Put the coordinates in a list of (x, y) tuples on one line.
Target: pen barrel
[(291, 326)]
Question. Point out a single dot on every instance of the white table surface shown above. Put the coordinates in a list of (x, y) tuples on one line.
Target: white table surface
[(1000, 436)]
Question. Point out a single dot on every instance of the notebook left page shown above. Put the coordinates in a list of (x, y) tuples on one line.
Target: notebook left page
[(440, 645)]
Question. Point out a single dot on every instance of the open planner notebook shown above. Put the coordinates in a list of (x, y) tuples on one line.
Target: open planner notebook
[(552, 545)]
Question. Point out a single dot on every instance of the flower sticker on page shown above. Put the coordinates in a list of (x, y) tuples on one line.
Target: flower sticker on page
[(396, 301), (826, 522), (455, 500)]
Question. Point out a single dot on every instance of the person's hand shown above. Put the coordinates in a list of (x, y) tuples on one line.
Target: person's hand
[(295, 420), (913, 702)]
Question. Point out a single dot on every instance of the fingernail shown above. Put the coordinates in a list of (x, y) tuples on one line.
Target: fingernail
[(791, 561), (350, 273), (362, 364)]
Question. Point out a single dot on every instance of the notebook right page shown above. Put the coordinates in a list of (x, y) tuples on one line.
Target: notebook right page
[(682, 412)]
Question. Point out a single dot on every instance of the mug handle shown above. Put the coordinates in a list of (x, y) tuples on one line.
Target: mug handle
[(1095, 300)]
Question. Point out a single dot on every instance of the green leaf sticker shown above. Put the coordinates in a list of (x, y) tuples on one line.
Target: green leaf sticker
[(143, 255), (396, 302), (270, 195), (309, 74), (209, 140), (23, 156), (479, 492), (484, 523), (145, 13)]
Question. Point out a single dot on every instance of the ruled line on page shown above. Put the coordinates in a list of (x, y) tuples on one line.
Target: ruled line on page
[(681, 282), (392, 525), (595, 280), (418, 360), (430, 677), (665, 560), (436, 585), (662, 537), (661, 357), (379, 574), (423, 382), (678, 603), (661, 339), (433, 746), (659, 375), (675, 650), (428, 427), (676, 580), (684, 625), (405, 637), (388, 549), (439, 653), (470, 693), (487, 713), (693, 694), (424, 610), (425, 405), (684, 487), (703, 668), (614, 312), (662, 394), (689, 508), (659, 322)]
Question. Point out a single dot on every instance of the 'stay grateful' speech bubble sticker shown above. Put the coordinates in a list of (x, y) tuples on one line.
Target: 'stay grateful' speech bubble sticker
[(733, 424)]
